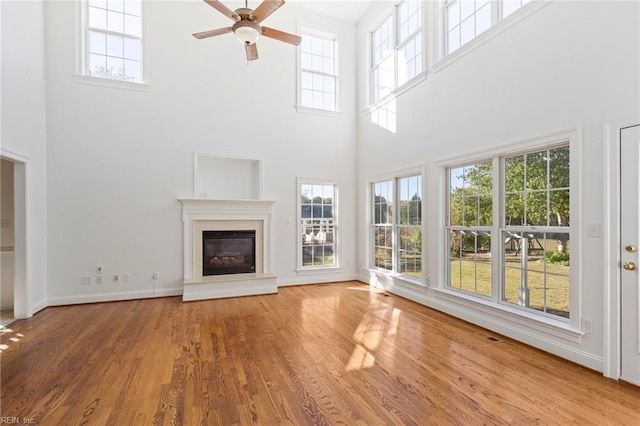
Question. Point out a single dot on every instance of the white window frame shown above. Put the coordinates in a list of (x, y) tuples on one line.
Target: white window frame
[(395, 225), (300, 230), (560, 327), (499, 24), (397, 46), (325, 34), (81, 75)]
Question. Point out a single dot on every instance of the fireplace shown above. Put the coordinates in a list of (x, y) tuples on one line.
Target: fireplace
[(228, 252), (201, 216)]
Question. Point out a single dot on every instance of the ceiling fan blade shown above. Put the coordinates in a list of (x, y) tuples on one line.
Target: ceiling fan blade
[(266, 8), (252, 51), (281, 35), (212, 33), (223, 9)]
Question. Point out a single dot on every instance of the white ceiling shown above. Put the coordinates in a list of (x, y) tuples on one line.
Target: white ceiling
[(349, 10)]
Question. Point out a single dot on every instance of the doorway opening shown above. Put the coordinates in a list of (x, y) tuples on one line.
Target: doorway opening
[(13, 238)]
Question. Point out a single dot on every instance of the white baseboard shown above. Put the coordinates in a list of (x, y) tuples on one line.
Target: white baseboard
[(542, 341), (317, 279), (38, 306), (112, 297)]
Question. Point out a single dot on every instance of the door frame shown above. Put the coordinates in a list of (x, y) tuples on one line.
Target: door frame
[(612, 341), (21, 308)]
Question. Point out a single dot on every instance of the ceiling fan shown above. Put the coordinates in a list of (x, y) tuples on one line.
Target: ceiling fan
[(247, 25)]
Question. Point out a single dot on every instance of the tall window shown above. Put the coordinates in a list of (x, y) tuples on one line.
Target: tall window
[(537, 250), (383, 225), (396, 49), (318, 225), (114, 39), (318, 71), (466, 19), (469, 230), (532, 239), (397, 225)]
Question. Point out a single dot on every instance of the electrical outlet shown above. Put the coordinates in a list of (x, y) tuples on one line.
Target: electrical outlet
[(99, 269), (155, 276), (98, 279), (85, 279), (126, 277), (587, 326), (116, 278)]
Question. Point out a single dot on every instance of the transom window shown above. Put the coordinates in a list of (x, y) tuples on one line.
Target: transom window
[(318, 71), (467, 19), (396, 49), (531, 242), (318, 225), (396, 226), (114, 39)]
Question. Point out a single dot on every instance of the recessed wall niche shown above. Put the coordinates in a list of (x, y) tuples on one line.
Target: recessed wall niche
[(227, 178)]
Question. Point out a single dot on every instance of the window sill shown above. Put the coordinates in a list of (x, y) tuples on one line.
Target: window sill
[(558, 328), (115, 84), (404, 279), (319, 270), (397, 92), (317, 111), (492, 32)]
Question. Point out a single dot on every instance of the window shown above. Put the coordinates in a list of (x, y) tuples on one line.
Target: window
[(536, 253), (318, 225), (531, 242), (469, 230), (318, 71), (396, 49), (466, 19), (397, 226), (114, 39)]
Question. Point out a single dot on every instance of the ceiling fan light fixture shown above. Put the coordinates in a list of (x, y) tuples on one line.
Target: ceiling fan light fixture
[(247, 32)]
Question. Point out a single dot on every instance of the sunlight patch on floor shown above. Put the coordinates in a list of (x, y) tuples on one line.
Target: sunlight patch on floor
[(4, 332)]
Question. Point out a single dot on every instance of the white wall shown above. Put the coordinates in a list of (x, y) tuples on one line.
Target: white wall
[(24, 136), (569, 65), (120, 159)]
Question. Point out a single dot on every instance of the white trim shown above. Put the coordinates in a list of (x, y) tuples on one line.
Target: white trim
[(314, 30), (315, 270), (507, 149), (498, 28), (318, 111), (21, 284), (391, 11), (534, 334), (394, 274), (611, 239), (337, 246), (107, 82), (113, 297), (419, 78), (573, 137), (80, 72), (259, 178)]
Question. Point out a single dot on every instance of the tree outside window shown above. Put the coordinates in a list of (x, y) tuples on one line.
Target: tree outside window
[(534, 235)]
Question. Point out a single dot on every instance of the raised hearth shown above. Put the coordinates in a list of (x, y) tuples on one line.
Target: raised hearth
[(202, 216)]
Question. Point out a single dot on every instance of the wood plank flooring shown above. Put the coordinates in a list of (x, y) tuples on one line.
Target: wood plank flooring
[(329, 354)]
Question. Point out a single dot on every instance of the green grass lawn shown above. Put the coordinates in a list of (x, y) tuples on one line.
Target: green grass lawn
[(553, 293), (547, 292)]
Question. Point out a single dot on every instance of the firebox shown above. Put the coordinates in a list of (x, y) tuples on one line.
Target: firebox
[(228, 252)]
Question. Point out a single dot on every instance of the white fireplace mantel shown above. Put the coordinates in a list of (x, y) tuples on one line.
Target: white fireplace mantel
[(200, 214)]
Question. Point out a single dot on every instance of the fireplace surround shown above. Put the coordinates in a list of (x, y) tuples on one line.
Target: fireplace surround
[(200, 216)]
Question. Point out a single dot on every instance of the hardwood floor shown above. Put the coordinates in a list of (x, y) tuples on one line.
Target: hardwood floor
[(322, 354)]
